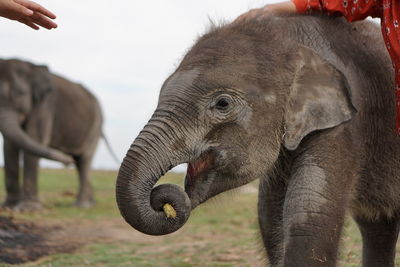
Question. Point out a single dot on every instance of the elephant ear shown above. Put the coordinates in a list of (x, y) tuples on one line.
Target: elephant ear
[(42, 83), (319, 98)]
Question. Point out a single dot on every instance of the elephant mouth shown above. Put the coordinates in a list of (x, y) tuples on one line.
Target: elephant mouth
[(196, 173)]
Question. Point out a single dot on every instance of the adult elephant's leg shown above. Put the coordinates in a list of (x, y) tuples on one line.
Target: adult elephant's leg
[(270, 205), (30, 199), (85, 197), (317, 196), (38, 127), (11, 170), (379, 241)]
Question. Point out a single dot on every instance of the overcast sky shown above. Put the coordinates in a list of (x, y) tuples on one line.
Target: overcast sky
[(122, 51)]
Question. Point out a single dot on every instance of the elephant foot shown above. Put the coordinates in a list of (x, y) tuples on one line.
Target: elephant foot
[(85, 203), (28, 206), (9, 204)]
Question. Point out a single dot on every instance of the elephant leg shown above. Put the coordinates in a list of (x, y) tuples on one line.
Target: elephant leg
[(30, 199), (270, 205), (11, 169), (314, 211), (38, 128), (85, 197), (379, 241)]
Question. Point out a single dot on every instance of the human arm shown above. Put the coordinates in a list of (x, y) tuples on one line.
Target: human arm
[(27, 12), (351, 9)]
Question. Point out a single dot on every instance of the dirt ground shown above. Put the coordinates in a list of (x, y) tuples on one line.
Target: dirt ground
[(25, 241)]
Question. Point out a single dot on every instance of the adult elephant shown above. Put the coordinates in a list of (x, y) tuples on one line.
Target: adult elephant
[(44, 115), (303, 103)]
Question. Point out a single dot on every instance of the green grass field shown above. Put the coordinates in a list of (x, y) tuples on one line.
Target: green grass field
[(220, 233)]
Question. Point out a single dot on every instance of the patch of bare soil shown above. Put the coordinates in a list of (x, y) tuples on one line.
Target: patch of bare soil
[(25, 241)]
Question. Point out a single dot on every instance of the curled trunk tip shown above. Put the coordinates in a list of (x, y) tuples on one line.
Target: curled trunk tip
[(154, 211)]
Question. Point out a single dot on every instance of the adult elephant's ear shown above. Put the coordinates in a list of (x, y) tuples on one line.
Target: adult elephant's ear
[(319, 98), (41, 81)]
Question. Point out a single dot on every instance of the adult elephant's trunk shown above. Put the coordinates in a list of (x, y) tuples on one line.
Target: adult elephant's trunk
[(156, 150), (10, 128)]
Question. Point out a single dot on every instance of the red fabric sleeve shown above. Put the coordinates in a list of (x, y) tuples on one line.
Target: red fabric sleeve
[(351, 9)]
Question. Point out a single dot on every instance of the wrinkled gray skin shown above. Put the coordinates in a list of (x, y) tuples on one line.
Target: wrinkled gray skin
[(303, 103), (44, 115)]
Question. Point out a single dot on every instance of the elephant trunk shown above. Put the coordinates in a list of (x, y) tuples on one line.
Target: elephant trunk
[(11, 130), (151, 156)]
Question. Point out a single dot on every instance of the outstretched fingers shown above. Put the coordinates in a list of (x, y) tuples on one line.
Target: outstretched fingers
[(40, 19), (28, 12), (29, 23)]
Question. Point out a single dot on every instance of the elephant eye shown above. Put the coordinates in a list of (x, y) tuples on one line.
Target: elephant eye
[(223, 103)]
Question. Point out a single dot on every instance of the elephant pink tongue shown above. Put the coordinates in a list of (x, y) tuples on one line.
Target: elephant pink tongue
[(194, 168)]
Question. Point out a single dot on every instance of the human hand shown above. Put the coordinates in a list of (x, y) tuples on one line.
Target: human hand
[(283, 7), (27, 12)]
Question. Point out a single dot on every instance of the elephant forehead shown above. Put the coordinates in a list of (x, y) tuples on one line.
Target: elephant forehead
[(180, 80)]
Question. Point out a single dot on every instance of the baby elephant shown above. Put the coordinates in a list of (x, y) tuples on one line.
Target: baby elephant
[(303, 103), (44, 115)]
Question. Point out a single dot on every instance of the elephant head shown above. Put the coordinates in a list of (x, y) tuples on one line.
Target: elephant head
[(237, 100), (24, 87)]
